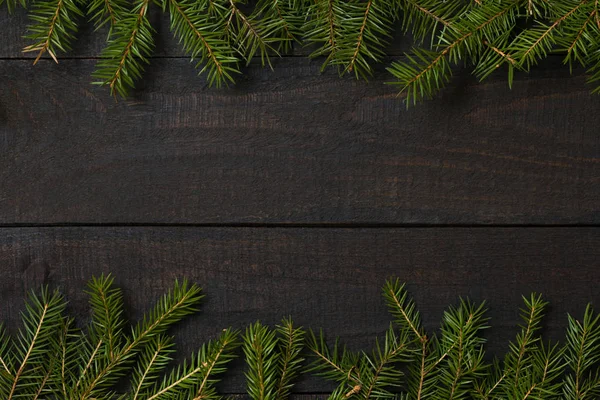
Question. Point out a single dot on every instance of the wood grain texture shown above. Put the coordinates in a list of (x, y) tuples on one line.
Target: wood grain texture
[(328, 278), (294, 146)]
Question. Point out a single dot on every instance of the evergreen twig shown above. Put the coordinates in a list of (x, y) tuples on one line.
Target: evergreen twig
[(51, 359), (53, 27), (352, 36), (129, 46)]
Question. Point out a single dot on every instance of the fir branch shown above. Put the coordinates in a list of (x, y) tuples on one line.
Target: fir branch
[(288, 13), (102, 12), (210, 360), (48, 373), (369, 10), (324, 18), (50, 359), (464, 354), (6, 363), (178, 303), (12, 4), (403, 308), (107, 313), (518, 369), (154, 359), (423, 18), (204, 37), (532, 316), (351, 34), (582, 355), (42, 318), (426, 72), (495, 55), (103, 342), (535, 43), (90, 357), (546, 370), (594, 72), (291, 343), (128, 48), (338, 364), (182, 300), (53, 27), (578, 37), (216, 364), (362, 375), (253, 35), (260, 349), (580, 33), (357, 47), (379, 372), (66, 350)]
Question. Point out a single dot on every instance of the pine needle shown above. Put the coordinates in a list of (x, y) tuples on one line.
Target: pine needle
[(203, 36), (53, 27), (129, 46), (42, 318), (51, 359)]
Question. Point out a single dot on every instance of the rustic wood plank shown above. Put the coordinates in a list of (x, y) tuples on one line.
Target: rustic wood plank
[(328, 278), (294, 146)]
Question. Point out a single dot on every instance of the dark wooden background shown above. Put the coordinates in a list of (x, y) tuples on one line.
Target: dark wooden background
[(297, 193)]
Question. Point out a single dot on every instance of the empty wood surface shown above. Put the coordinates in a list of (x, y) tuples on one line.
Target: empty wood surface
[(294, 146), (322, 277)]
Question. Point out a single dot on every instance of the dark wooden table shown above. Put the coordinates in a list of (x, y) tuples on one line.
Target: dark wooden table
[(297, 193)]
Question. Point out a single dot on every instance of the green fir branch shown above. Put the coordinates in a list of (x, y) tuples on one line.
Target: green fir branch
[(578, 40), (178, 303), (424, 18), (350, 35), (107, 12), (337, 365), (154, 359), (582, 355), (42, 318), (378, 371), (291, 344), (536, 42), (51, 359), (253, 35), (260, 348), (427, 71), (195, 379), (67, 351), (322, 29), (129, 46), (462, 348), (54, 23), (364, 42), (6, 362), (12, 4), (288, 18), (204, 37), (106, 303)]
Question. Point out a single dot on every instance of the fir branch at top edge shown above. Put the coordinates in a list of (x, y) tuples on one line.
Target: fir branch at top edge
[(191, 26), (54, 27), (130, 44)]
